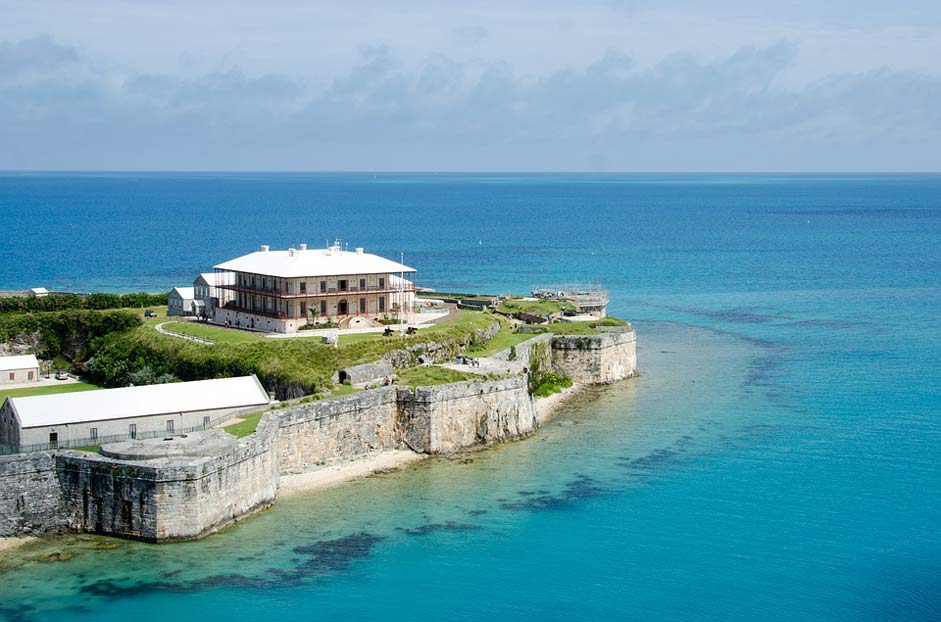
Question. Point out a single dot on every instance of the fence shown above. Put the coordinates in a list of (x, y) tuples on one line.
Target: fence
[(76, 443)]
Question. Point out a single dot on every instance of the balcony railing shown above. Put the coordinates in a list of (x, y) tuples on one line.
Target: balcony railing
[(331, 291)]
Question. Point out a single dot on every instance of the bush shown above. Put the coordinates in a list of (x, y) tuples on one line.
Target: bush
[(551, 382)]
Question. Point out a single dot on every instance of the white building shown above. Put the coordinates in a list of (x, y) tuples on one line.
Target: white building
[(38, 292), (180, 301), (208, 294), (280, 291), (18, 369), (89, 417)]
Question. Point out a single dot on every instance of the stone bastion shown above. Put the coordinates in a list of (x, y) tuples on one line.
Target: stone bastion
[(186, 487)]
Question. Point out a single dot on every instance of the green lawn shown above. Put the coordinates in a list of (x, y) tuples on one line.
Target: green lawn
[(343, 389), (534, 307), (502, 341), (246, 426), (218, 334), (71, 387), (584, 328), (348, 340), (431, 375)]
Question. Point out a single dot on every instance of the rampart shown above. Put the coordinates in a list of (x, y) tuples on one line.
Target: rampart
[(180, 497), (596, 359)]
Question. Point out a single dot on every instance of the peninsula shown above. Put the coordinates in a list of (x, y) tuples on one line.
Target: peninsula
[(356, 366)]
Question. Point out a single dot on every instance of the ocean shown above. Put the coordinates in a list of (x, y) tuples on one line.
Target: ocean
[(778, 458)]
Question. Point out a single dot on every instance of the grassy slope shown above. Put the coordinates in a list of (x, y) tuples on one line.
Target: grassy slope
[(246, 426), (432, 375), (502, 341), (218, 334), (71, 387)]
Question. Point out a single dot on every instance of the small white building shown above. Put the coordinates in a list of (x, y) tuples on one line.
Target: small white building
[(180, 301), (91, 417), (208, 292), (18, 369), (38, 292)]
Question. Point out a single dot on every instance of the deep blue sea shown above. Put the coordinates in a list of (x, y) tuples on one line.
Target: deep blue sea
[(779, 458)]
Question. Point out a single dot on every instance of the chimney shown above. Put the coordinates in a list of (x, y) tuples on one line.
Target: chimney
[(264, 248), (359, 250), (292, 251), (303, 247)]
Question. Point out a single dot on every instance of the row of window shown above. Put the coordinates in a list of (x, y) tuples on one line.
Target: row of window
[(131, 431), (278, 284), (30, 375)]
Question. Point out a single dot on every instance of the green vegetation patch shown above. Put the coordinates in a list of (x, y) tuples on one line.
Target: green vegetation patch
[(216, 334), (541, 308), (503, 340), (430, 375), (583, 328), (549, 383), (71, 387), (246, 426)]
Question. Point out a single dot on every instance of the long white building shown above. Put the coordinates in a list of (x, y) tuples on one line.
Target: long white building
[(89, 417), (281, 291)]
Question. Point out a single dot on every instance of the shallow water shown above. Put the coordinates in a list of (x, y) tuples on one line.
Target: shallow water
[(777, 459)]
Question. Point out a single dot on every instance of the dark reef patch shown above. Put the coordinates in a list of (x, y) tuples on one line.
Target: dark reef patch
[(430, 528), (581, 487), (315, 560)]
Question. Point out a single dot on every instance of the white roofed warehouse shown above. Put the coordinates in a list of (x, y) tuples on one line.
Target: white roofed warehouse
[(91, 417), (20, 369), (282, 291)]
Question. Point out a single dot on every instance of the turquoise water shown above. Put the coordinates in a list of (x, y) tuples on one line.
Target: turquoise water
[(778, 458)]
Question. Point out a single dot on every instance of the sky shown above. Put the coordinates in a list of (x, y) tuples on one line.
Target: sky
[(595, 86)]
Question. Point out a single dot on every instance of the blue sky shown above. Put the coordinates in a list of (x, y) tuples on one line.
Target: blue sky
[(727, 85)]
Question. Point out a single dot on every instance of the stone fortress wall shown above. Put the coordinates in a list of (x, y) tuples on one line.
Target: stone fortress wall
[(188, 496)]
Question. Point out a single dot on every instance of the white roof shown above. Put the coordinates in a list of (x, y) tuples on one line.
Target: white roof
[(214, 279), (313, 262), (154, 399), (186, 293), (24, 361), (39, 290)]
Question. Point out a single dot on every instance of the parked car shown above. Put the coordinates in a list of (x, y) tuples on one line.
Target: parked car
[(150, 313), (61, 374)]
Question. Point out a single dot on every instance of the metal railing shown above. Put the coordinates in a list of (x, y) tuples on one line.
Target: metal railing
[(111, 438)]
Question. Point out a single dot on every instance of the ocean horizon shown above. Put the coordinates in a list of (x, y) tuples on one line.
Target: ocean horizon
[(778, 458)]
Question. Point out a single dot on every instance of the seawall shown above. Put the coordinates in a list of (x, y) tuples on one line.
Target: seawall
[(188, 496)]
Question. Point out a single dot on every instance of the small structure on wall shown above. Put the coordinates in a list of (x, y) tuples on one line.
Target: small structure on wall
[(20, 369), (93, 417)]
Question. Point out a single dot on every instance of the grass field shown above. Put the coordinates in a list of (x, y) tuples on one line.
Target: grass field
[(534, 307), (218, 334), (246, 426), (71, 387), (502, 341), (431, 375)]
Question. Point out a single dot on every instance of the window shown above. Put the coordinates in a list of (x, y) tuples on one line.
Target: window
[(362, 283), (93, 434), (303, 287), (206, 421), (53, 440), (12, 375), (341, 284), (30, 375), (323, 287), (323, 307), (382, 282), (132, 430), (362, 305), (170, 426), (303, 309), (382, 303)]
